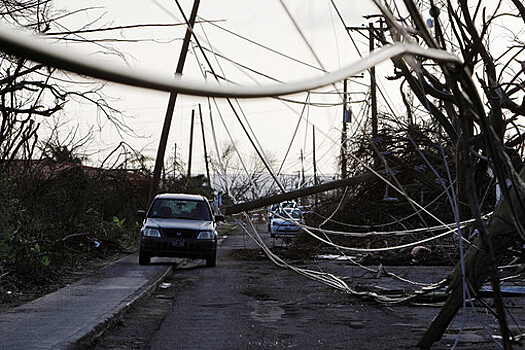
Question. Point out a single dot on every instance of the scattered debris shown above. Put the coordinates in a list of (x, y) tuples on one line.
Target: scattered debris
[(165, 285)]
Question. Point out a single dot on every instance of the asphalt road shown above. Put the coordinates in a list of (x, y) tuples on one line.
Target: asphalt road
[(246, 302)]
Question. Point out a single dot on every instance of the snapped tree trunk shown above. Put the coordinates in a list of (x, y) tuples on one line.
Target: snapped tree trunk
[(502, 235)]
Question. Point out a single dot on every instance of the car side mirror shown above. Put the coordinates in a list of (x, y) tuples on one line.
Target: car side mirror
[(141, 214), (219, 217)]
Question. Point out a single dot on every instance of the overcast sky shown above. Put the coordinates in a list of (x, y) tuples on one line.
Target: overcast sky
[(265, 22)]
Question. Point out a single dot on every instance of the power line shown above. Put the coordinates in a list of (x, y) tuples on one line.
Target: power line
[(15, 43), (267, 48)]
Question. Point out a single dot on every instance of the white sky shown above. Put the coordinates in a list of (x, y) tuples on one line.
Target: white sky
[(263, 21)]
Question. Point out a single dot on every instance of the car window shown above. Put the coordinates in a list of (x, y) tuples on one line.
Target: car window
[(180, 208), (287, 212), (296, 214)]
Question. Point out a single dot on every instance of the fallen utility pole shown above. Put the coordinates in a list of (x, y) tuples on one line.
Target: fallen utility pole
[(303, 192), (159, 162)]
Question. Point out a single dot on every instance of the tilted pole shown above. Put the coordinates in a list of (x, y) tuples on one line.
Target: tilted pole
[(263, 159), (159, 162), (303, 192)]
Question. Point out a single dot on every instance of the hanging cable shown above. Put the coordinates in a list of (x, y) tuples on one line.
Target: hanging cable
[(15, 43), (258, 148)]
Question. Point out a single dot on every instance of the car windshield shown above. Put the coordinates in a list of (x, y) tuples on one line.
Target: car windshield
[(180, 208), (294, 213)]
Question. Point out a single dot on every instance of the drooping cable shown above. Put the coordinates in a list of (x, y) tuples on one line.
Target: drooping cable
[(323, 277), (15, 43), (256, 145)]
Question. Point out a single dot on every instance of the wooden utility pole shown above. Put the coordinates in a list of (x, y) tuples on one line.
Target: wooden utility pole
[(159, 162), (313, 155), (190, 155), (205, 149), (302, 181), (343, 132), (175, 162), (303, 192), (373, 86)]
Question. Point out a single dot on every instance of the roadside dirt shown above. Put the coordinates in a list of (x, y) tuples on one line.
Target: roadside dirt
[(18, 290)]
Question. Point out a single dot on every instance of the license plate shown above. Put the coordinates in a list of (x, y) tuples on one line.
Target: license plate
[(177, 243)]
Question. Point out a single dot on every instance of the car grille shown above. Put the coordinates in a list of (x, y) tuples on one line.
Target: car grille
[(286, 224), (177, 233)]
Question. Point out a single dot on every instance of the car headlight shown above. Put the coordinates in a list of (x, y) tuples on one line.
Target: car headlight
[(151, 232), (206, 235)]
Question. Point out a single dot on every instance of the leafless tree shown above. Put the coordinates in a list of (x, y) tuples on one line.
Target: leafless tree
[(245, 179), (476, 108), (31, 93)]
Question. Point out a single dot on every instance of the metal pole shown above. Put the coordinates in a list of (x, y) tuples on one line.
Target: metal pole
[(159, 162)]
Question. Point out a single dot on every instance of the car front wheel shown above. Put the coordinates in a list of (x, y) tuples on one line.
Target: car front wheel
[(211, 260), (144, 258)]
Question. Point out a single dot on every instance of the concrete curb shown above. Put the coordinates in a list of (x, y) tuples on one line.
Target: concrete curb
[(74, 316), (85, 340)]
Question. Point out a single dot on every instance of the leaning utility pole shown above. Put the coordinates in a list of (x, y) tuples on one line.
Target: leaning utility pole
[(159, 162), (257, 150), (303, 192)]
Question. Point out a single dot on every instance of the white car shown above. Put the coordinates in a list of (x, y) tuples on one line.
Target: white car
[(274, 210), (285, 222), (179, 225)]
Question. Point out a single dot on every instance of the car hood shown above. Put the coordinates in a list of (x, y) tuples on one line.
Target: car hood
[(282, 221), (183, 224)]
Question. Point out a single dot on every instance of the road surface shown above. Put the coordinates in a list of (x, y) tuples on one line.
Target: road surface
[(246, 302)]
